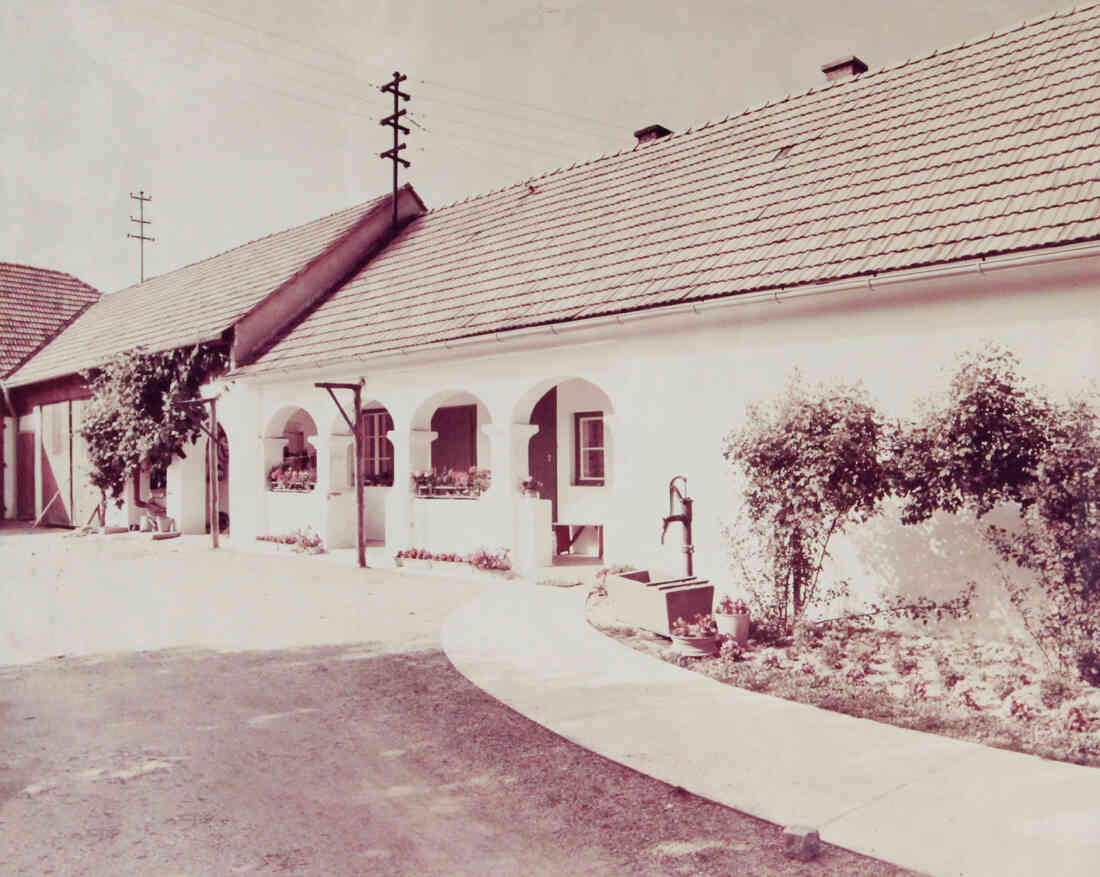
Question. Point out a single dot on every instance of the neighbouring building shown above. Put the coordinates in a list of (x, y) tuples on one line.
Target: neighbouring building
[(35, 304), (238, 300)]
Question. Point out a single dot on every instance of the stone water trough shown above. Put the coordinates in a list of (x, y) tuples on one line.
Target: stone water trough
[(653, 605)]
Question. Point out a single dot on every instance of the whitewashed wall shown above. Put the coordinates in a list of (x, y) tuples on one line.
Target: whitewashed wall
[(679, 384)]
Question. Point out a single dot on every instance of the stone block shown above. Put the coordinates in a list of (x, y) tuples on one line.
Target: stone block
[(801, 842)]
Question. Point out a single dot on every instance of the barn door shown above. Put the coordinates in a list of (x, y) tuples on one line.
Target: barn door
[(24, 476), (57, 497)]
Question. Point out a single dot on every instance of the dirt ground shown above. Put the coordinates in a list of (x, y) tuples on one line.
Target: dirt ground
[(347, 758)]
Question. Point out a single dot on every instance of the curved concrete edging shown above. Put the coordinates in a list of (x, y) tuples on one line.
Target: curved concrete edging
[(925, 802)]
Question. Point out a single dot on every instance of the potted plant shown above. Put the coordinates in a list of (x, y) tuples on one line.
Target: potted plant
[(697, 638), (732, 618), (530, 487)]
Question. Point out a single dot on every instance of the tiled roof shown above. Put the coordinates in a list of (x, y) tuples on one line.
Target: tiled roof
[(34, 304), (194, 303), (988, 147)]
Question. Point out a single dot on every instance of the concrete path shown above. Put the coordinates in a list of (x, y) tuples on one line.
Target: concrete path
[(66, 595), (925, 802)]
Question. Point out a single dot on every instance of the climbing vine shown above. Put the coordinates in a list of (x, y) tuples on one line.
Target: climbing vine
[(131, 422)]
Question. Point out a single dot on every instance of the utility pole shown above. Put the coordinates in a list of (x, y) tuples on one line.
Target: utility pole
[(393, 122), (141, 221)]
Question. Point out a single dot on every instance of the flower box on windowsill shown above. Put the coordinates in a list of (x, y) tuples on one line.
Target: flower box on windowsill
[(445, 492), (305, 488)]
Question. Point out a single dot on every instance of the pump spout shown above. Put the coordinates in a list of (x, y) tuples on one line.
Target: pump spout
[(684, 517)]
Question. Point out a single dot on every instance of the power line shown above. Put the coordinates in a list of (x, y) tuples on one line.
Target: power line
[(531, 106), (475, 109), (313, 47), (345, 74), (571, 148)]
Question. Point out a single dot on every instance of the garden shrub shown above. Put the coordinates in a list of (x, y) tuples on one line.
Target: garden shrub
[(998, 439), (810, 464), (818, 460)]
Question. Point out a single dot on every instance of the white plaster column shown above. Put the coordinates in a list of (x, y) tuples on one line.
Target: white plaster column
[(185, 497), (509, 456), (239, 416), (411, 453), (338, 493), (341, 475)]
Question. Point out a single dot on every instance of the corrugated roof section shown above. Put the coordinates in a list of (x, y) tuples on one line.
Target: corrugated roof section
[(987, 147), (35, 303), (193, 303)]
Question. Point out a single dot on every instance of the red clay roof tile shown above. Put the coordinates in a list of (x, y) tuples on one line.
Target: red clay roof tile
[(991, 146), (35, 303)]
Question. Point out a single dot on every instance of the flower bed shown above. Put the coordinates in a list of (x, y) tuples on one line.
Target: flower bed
[(305, 541), (998, 694), (480, 559)]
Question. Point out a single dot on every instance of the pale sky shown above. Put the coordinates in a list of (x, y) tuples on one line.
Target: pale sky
[(243, 118)]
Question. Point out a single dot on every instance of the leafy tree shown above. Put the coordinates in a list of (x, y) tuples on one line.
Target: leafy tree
[(995, 439), (131, 422), (1059, 541), (978, 447), (811, 463)]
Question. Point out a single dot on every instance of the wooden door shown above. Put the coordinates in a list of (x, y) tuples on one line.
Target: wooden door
[(542, 450), (86, 495), (456, 444), (24, 476), (57, 498)]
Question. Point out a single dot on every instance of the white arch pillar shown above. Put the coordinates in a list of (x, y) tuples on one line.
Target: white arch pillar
[(411, 453), (510, 514)]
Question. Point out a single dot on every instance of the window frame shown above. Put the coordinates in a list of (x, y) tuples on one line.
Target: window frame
[(579, 449), (373, 446)]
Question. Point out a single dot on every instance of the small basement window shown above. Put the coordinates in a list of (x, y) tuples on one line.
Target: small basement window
[(588, 448)]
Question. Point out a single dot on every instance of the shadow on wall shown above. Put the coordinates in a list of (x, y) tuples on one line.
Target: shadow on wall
[(934, 559)]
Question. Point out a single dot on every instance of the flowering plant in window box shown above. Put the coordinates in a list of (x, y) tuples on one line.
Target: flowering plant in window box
[(530, 487), (452, 482), (289, 478)]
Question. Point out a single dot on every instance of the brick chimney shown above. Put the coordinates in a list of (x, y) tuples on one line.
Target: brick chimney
[(650, 133), (845, 68)]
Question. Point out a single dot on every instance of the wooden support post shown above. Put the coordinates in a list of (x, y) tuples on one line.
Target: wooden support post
[(361, 535), (215, 460)]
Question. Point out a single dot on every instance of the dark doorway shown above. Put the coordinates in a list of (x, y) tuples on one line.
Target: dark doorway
[(24, 476), (542, 450), (455, 446)]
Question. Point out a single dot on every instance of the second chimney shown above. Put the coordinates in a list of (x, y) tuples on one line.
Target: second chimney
[(845, 68), (650, 133)]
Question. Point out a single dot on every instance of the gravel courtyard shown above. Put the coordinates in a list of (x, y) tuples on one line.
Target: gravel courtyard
[(168, 711)]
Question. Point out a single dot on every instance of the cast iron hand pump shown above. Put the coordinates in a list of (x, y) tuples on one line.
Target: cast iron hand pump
[(684, 518)]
